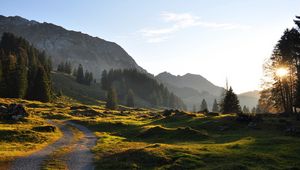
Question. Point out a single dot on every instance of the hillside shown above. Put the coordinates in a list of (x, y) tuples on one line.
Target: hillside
[(92, 94), (94, 53), (192, 89)]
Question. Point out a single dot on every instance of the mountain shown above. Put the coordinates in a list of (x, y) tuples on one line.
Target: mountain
[(95, 54), (249, 99), (193, 81), (192, 89)]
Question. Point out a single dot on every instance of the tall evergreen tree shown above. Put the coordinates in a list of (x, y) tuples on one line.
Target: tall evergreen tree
[(80, 76), (42, 86), (21, 77), (230, 103), (215, 107), (104, 80), (130, 99), (111, 100), (204, 106)]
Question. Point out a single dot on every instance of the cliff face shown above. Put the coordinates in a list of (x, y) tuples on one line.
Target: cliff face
[(94, 53)]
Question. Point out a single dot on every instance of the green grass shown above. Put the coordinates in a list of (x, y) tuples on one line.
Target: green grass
[(145, 139), (192, 142), (21, 138)]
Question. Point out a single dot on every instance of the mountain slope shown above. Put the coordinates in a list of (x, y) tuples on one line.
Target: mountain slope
[(193, 81), (93, 53), (192, 89)]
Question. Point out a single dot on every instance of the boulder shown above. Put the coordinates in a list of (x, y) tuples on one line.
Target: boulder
[(13, 112)]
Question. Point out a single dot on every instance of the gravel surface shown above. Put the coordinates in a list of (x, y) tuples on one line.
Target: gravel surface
[(80, 158)]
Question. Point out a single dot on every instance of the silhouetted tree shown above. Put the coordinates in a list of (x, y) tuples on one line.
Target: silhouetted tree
[(230, 103), (204, 106), (104, 80), (80, 76)]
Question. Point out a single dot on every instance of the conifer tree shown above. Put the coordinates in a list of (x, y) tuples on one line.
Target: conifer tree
[(104, 80), (42, 86), (215, 107), (21, 78), (111, 100), (204, 106), (230, 102), (80, 76)]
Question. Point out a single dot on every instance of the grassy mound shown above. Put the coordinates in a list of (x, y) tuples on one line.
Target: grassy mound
[(175, 134), (21, 136), (131, 159)]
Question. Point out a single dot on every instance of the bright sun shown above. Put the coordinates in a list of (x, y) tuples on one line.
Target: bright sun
[(281, 72)]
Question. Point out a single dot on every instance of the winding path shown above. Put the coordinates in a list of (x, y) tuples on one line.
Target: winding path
[(79, 158)]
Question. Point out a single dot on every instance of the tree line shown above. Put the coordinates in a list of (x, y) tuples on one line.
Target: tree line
[(24, 70), (128, 84), (82, 77), (229, 103)]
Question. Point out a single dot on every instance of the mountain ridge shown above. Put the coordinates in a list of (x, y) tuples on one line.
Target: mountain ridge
[(94, 53), (193, 88)]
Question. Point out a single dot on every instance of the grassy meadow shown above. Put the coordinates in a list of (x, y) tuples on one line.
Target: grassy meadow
[(147, 139)]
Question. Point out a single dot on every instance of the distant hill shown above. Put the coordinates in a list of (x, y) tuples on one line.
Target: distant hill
[(85, 94), (249, 98), (192, 89), (193, 81), (94, 53)]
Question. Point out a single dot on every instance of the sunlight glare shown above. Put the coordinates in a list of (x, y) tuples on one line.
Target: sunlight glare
[(281, 72)]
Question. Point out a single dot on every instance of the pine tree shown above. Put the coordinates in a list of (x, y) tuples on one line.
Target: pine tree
[(104, 80), (215, 107), (230, 103), (42, 86), (21, 78), (111, 100), (80, 76), (130, 99), (297, 95), (204, 106)]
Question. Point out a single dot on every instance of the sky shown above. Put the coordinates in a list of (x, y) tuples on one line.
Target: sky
[(217, 39)]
